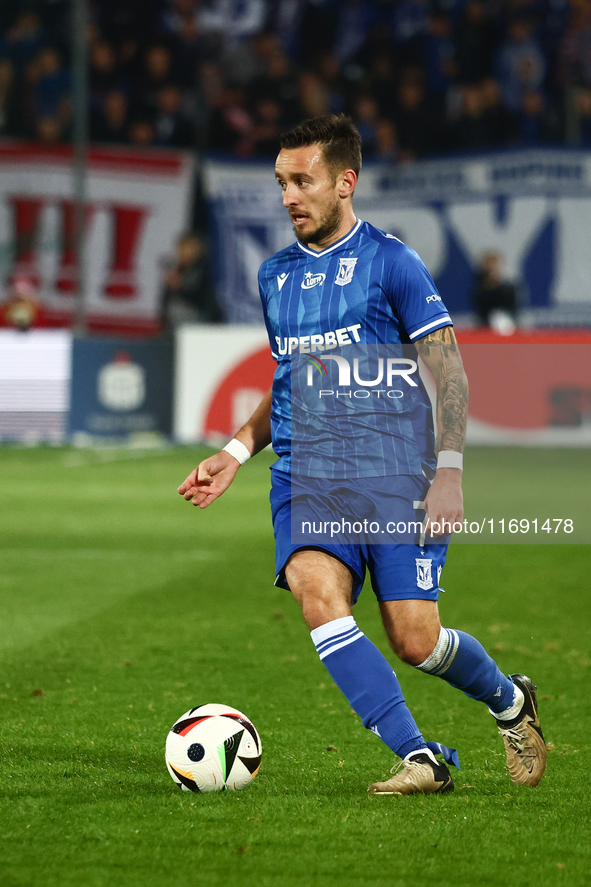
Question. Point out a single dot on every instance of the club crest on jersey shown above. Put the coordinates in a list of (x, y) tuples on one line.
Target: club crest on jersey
[(345, 272), (311, 280), (424, 575)]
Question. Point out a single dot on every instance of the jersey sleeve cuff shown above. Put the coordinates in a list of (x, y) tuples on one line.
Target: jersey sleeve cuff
[(431, 327)]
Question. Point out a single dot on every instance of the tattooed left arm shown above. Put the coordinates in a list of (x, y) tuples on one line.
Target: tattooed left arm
[(440, 353)]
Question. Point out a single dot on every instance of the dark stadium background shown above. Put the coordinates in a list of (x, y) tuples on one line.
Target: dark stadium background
[(222, 79), (419, 78)]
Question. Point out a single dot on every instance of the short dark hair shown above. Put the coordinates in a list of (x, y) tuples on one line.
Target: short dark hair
[(338, 136)]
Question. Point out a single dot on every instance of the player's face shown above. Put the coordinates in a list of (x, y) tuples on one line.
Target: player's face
[(309, 193)]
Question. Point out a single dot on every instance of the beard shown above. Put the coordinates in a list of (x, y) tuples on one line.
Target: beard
[(328, 224)]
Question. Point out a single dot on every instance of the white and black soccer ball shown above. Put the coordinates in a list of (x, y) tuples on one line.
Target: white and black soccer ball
[(211, 748)]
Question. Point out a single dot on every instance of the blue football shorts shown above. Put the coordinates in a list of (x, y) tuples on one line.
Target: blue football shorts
[(397, 571)]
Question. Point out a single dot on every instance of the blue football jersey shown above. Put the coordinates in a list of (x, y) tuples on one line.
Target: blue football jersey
[(368, 289)]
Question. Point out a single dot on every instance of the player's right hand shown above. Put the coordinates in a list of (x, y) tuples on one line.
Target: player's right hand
[(210, 479)]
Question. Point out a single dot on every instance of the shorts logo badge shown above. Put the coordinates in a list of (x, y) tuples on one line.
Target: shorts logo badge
[(424, 576), (345, 272), (310, 280)]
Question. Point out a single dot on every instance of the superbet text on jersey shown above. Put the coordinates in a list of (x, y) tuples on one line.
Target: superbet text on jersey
[(367, 288)]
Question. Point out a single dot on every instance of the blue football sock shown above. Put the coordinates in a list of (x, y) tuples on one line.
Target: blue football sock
[(463, 662), (363, 675)]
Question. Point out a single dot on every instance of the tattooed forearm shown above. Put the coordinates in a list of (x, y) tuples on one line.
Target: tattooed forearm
[(441, 354), (452, 409)]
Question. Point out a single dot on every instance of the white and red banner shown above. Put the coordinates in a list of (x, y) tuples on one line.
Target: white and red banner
[(137, 205), (221, 376), (533, 389)]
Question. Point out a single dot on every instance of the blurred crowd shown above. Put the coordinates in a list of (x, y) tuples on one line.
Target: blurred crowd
[(419, 77)]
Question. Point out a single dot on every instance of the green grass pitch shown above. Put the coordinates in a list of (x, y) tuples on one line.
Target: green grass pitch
[(122, 607)]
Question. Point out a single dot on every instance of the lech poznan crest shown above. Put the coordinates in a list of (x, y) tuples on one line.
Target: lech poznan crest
[(345, 273), (424, 576)]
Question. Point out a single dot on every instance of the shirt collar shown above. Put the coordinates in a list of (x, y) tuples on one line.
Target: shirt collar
[(329, 249)]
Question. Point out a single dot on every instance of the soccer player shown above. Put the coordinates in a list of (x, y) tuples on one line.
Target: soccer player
[(345, 281)]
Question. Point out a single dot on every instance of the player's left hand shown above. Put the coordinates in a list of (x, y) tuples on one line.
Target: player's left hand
[(444, 503)]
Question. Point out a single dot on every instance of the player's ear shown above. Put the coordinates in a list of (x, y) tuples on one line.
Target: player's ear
[(347, 182)]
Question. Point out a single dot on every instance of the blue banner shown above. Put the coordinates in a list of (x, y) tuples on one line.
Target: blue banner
[(533, 207), (121, 387)]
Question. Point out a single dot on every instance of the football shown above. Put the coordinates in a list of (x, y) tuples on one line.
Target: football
[(211, 748)]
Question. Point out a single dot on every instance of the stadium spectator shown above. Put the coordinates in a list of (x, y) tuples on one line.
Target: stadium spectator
[(500, 120), (52, 92), (230, 123), (43, 91), (110, 122), (49, 130), (314, 95), (419, 125), (285, 18), (21, 307), (121, 21), (336, 85), (154, 75), (268, 124), (475, 42), (520, 64), (410, 20), (172, 128), (25, 115), (583, 104), (187, 40), (104, 75), (439, 51), (181, 17), (211, 85), (247, 61), (383, 82), (356, 20), (278, 84), (494, 298), (319, 25), (232, 20), (533, 123), (386, 141), (366, 116), (188, 295), (7, 96), (142, 133), (473, 128), (23, 40), (575, 50), (128, 60)]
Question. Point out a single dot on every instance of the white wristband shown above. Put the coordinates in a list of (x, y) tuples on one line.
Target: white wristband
[(450, 459), (237, 449)]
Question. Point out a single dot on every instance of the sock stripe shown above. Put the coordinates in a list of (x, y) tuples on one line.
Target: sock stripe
[(444, 653), (329, 629), (340, 636), (366, 679), (450, 652), (338, 642), (463, 662)]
